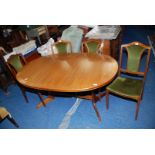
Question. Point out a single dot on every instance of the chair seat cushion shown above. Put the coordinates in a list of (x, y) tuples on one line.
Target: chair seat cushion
[(126, 87)]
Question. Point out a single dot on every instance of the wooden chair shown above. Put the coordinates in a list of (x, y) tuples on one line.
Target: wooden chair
[(17, 38), (15, 63), (5, 114), (91, 46), (126, 86), (5, 76), (62, 47)]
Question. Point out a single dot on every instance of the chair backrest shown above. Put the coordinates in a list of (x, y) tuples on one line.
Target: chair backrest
[(62, 47), (91, 45), (134, 50), (15, 63)]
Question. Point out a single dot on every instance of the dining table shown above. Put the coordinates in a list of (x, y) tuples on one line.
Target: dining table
[(76, 73)]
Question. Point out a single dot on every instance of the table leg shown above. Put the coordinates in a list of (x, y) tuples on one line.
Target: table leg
[(94, 106), (46, 100), (42, 99)]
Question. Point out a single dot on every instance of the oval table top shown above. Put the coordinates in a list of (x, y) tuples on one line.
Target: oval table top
[(74, 72)]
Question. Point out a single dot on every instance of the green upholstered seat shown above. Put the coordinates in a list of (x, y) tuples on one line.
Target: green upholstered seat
[(62, 47), (127, 87), (130, 87), (91, 46), (134, 56), (15, 61)]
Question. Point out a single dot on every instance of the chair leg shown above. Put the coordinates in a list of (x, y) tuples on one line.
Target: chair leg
[(137, 109), (142, 94), (42, 100), (24, 94), (99, 94), (12, 120), (94, 106), (97, 112), (107, 99)]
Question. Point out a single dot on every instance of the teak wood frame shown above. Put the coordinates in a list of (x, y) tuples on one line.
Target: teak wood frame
[(14, 72), (121, 70)]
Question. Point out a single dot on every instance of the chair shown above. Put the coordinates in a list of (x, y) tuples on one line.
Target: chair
[(62, 47), (91, 46), (5, 76), (16, 38), (37, 31), (130, 87), (5, 114), (15, 63)]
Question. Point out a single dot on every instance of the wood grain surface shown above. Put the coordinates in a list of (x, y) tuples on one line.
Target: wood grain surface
[(73, 72)]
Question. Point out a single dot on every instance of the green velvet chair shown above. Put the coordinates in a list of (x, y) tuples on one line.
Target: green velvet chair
[(15, 63), (62, 47), (5, 114), (130, 87), (91, 46)]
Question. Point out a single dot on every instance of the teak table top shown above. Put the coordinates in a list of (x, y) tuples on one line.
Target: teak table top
[(74, 72)]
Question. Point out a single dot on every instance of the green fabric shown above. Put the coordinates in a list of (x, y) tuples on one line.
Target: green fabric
[(134, 56), (16, 62), (61, 47), (126, 87), (92, 47)]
